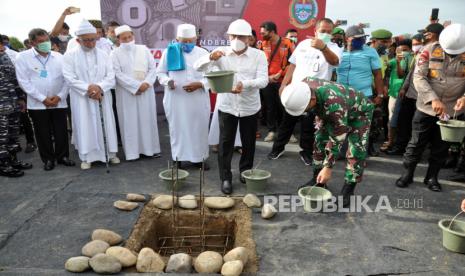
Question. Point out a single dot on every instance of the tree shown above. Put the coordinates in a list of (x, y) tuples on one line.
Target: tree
[(16, 44)]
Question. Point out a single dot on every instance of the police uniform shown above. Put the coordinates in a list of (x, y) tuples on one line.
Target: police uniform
[(437, 76)]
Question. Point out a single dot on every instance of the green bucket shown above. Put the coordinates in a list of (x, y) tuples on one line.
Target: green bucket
[(167, 178), (453, 234), (256, 180), (314, 197), (452, 130), (220, 81)]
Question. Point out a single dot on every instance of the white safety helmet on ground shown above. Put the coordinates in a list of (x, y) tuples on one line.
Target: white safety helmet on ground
[(295, 98), (452, 39)]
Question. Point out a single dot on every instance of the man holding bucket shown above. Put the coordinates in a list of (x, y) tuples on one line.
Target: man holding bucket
[(242, 104), (439, 78), (342, 112)]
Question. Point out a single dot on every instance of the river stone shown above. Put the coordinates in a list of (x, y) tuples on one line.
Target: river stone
[(108, 236), (208, 262), (135, 197), (77, 264), (252, 201), (188, 202), (179, 263), (268, 211), (149, 261), (105, 264), (238, 253), (232, 268), (164, 202), (124, 255), (125, 205), (94, 247), (219, 202)]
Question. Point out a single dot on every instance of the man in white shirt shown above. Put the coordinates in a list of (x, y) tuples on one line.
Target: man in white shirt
[(135, 72), (243, 103), (314, 57), (90, 76), (186, 101), (39, 73)]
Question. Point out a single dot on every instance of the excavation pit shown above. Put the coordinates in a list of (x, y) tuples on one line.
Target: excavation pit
[(222, 231)]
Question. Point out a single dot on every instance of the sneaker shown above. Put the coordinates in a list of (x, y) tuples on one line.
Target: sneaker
[(275, 154), (293, 140), (114, 160), (305, 158), (85, 165), (269, 137)]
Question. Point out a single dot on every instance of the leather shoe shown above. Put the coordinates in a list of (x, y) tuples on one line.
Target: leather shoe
[(49, 165), (66, 162), (21, 165), (226, 187), (433, 185)]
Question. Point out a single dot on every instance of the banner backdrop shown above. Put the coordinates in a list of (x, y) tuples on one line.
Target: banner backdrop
[(155, 21)]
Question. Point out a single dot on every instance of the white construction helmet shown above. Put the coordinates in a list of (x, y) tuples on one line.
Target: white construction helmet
[(452, 39), (239, 27), (295, 98)]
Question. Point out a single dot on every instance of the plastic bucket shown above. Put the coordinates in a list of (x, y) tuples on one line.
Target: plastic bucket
[(220, 81), (452, 130), (167, 178), (314, 198), (256, 180), (453, 234)]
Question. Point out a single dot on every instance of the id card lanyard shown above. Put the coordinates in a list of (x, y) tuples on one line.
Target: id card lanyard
[(43, 73)]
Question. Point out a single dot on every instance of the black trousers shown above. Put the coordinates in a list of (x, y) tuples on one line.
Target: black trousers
[(27, 127), (404, 124), (228, 126), (274, 107), (48, 122), (307, 132), (425, 131)]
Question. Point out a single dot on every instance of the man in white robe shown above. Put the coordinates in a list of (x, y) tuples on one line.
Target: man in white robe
[(186, 102), (89, 73), (135, 72)]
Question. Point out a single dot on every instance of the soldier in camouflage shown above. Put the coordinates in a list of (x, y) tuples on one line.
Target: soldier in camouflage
[(9, 119), (342, 112)]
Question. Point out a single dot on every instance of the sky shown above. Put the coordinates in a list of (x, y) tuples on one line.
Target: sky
[(18, 17)]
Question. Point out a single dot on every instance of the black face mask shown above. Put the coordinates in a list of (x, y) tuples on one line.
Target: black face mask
[(339, 42)]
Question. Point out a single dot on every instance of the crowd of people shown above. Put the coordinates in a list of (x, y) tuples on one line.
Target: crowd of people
[(344, 90)]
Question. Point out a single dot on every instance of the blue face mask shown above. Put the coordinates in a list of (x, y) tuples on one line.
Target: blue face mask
[(187, 47), (357, 43)]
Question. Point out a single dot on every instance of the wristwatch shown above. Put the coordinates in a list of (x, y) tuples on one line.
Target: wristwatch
[(380, 95)]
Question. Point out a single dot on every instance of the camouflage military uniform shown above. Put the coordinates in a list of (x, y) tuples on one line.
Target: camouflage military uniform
[(341, 112)]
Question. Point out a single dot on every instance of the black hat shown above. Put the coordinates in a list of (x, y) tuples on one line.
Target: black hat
[(434, 28)]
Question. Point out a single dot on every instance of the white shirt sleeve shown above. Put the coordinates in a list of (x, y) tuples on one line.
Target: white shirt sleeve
[(24, 81)]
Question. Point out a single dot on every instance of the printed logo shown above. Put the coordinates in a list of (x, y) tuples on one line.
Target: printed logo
[(302, 13)]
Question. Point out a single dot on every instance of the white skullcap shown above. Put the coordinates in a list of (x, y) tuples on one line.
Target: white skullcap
[(85, 28), (121, 29), (186, 31), (295, 98)]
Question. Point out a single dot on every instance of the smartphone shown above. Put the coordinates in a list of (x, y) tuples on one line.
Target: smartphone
[(74, 10), (342, 22), (434, 14)]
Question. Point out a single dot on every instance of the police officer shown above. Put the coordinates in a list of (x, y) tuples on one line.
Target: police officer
[(9, 119), (342, 112), (439, 78)]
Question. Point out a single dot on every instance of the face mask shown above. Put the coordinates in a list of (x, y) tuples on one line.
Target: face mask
[(339, 42), (416, 48), (324, 37), (127, 46), (381, 50), (294, 39), (237, 45), (44, 47), (357, 43), (112, 39), (63, 38), (187, 47)]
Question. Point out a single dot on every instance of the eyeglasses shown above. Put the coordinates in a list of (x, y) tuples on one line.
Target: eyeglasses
[(88, 39)]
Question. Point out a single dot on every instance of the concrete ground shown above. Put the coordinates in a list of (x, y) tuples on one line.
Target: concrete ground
[(46, 217)]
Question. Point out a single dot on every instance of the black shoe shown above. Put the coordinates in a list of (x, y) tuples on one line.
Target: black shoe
[(8, 171), (407, 177), (30, 148), (433, 185), (242, 179), (275, 155), (66, 162), (305, 158), (395, 151), (431, 178), (19, 165), (49, 165), (346, 192), (206, 167), (226, 187)]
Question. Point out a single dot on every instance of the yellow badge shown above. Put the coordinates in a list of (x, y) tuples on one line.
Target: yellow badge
[(434, 73), (438, 52)]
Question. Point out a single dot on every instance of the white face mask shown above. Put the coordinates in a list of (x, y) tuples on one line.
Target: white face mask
[(128, 45), (237, 45), (63, 38), (416, 48)]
